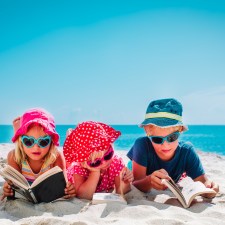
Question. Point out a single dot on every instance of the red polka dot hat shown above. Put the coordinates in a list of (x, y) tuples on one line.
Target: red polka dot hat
[(86, 138)]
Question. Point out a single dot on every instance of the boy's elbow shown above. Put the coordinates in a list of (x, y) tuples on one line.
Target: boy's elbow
[(140, 187)]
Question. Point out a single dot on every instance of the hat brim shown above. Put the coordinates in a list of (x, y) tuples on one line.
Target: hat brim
[(163, 122)]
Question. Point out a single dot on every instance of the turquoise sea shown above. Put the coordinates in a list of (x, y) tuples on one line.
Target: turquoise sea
[(207, 138)]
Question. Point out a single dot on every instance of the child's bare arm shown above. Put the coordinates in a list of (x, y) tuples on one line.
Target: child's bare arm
[(16, 123), (146, 183), (85, 188), (209, 184), (122, 182), (7, 190), (141, 181), (60, 161), (68, 132), (11, 161)]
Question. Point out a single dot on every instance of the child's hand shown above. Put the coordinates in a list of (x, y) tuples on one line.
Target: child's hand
[(16, 124), (212, 185), (7, 190), (123, 181), (69, 131), (126, 175), (70, 191), (91, 169), (155, 179)]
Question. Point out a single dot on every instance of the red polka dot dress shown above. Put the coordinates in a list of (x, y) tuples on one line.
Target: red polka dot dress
[(107, 178)]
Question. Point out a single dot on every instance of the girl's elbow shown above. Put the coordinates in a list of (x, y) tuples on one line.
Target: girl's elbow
[(83, 194)]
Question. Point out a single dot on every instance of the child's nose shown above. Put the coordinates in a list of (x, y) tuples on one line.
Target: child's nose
[(36, 146), (104, 162), (165, 143)]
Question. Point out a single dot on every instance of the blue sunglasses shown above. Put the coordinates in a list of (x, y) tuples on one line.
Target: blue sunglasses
[(169, 138), (30, 141)]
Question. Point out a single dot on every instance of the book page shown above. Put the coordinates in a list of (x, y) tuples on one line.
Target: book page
[(107, 197), (22, 193), (48, 173), (176, 191), (9, 173), (192, 189)]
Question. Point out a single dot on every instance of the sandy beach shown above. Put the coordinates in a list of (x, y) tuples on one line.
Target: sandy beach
[(156, 207)]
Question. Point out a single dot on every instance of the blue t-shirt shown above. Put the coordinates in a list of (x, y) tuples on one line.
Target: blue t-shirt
[(185, 159)]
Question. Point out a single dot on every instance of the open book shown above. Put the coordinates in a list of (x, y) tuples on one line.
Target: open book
[(47, 187), (108, 197), (187, 190)]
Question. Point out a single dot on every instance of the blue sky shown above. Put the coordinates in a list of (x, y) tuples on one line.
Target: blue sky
[(106, 60)]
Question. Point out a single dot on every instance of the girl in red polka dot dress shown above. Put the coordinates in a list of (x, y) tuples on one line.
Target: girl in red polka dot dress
[(92, 164)]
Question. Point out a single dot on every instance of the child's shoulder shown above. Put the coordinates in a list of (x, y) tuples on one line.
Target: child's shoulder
[(187, 147), (142, 140), (186, 144), (11, 154), (11, 160), (59, 159), (117, 161)]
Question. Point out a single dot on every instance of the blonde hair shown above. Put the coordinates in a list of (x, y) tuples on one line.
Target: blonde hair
[(95, 155), (150, 128), (21, 156)]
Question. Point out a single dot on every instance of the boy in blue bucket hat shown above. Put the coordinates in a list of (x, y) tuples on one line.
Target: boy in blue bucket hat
[(160, 155)]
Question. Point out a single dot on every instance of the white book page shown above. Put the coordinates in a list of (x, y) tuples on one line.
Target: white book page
[(176, 191), (8, 177), (16, 177), (192, 189), (107, 197)]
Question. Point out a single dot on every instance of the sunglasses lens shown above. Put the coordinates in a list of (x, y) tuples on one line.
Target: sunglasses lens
[(44, 142), (95, 163), (173, 137), (170, 138), (28, 142), (157, 140), (109, 156)]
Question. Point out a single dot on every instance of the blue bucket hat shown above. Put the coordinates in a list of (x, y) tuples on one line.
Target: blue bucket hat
[(164, 113)]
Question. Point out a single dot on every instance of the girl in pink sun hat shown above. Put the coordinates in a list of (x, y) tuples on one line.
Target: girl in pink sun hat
[(35, 152), (93, 167)]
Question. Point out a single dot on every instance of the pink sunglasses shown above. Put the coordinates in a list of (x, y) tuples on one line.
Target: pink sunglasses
[(107, 156)]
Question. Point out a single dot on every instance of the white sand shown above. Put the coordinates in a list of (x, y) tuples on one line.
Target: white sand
[(153, 208)]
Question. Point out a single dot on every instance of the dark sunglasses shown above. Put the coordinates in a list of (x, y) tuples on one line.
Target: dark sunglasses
[(30, 141), (107, 156), (169, 138)]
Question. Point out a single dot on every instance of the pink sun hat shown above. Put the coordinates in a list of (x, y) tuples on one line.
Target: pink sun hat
[(40, 117)]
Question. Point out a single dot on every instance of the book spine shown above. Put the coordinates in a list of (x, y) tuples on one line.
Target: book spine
[(32, 195)]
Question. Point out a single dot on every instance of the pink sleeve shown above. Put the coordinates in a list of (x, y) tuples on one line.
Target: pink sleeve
[(75, 169)]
